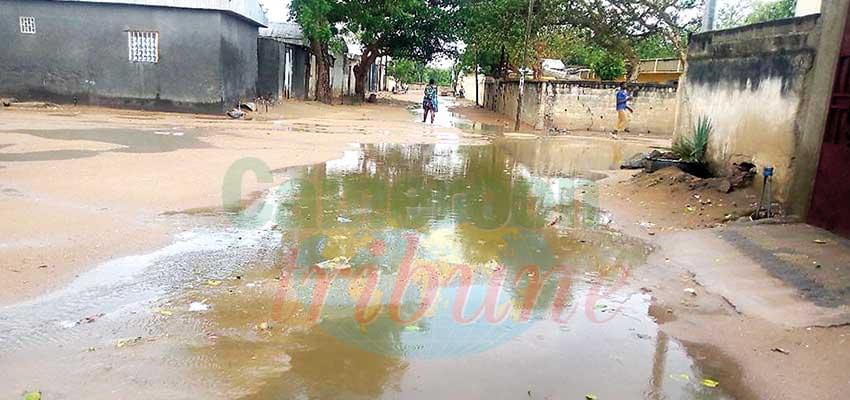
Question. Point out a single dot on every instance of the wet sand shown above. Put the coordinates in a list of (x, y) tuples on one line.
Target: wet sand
[(776, 341), (83, 185)]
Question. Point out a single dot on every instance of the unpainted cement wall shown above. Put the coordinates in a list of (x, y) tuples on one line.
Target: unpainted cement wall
[(751, 83), (271, 69), (238, 59), (207, 58), (584, 105)]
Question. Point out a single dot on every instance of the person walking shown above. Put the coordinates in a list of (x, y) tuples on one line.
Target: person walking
[(429, 102), (622, 106)]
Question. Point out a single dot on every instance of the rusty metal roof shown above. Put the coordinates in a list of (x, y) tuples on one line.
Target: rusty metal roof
[(248, 9)]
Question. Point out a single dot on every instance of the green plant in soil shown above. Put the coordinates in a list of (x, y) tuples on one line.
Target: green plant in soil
[(693, 149)]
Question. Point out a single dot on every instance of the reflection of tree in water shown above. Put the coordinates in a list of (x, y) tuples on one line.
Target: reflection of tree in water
[(466, 204), (365, 209), (409, 187)]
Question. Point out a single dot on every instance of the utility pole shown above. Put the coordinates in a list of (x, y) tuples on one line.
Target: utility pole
[(708, 15), (521, 73), (476, 85)]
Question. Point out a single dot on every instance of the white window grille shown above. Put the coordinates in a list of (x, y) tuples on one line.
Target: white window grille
[(27, 24), (143, 46)]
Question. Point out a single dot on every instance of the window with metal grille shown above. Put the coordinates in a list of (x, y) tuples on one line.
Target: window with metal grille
[(27, 24), (143, 46)]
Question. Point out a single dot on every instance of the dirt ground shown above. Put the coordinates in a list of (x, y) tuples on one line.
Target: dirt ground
[(669, 199), (770, 298), (81, 185)]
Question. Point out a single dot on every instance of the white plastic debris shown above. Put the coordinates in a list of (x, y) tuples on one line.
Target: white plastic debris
[(335, 263), (198, 306)]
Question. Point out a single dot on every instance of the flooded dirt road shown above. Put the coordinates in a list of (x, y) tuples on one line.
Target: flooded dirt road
[(396, 271)]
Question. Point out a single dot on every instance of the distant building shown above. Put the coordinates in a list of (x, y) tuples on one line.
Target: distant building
[(558, 70), (660, 70), (653, 70), (191, 55), (284, 62)]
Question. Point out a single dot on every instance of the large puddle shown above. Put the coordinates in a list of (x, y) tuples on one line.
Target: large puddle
[(427, 271)]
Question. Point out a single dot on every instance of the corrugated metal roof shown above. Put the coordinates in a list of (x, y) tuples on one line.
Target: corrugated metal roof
[(287, 32), (248, 9)]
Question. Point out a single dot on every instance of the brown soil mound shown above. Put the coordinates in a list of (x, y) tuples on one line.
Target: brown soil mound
[(674, 199)]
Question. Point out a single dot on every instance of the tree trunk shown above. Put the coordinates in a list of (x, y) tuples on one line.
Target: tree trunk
[(323, 70), (361, 70), (503, 64), (634, 60)]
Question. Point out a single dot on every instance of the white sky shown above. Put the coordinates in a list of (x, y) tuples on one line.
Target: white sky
[(276, 10)]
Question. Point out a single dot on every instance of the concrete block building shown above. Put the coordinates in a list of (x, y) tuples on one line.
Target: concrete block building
[(187, 55), (284, 62)]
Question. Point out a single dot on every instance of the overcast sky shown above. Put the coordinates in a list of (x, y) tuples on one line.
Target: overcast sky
[(276, 10)]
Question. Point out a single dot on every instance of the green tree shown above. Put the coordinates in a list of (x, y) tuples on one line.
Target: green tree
[(405, 70), (770, 10), (609, 66), (606, 64), (655, 46), (754, 11), (732, 14), (411, 29), (494, 29), (442, 77), (318, 19)]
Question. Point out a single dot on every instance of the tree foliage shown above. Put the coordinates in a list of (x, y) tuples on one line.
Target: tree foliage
[(578, 30), (318, 20), (754, 11), (771, 10), (406, 70), (411, 29)]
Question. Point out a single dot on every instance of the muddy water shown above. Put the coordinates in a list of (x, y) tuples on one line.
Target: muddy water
[(430, 271), (129, 141)]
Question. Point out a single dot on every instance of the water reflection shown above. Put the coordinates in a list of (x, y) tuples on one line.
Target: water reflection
[(400, 264)]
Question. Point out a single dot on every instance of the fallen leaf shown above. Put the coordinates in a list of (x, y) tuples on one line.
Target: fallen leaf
[(710, 383), (32, 396), (820, 241), (590, 397), (213, 282)]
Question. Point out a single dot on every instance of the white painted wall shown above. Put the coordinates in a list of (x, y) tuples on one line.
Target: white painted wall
[(749, 123)]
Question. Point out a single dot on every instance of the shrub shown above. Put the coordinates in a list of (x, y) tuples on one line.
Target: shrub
[(693, 149)]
